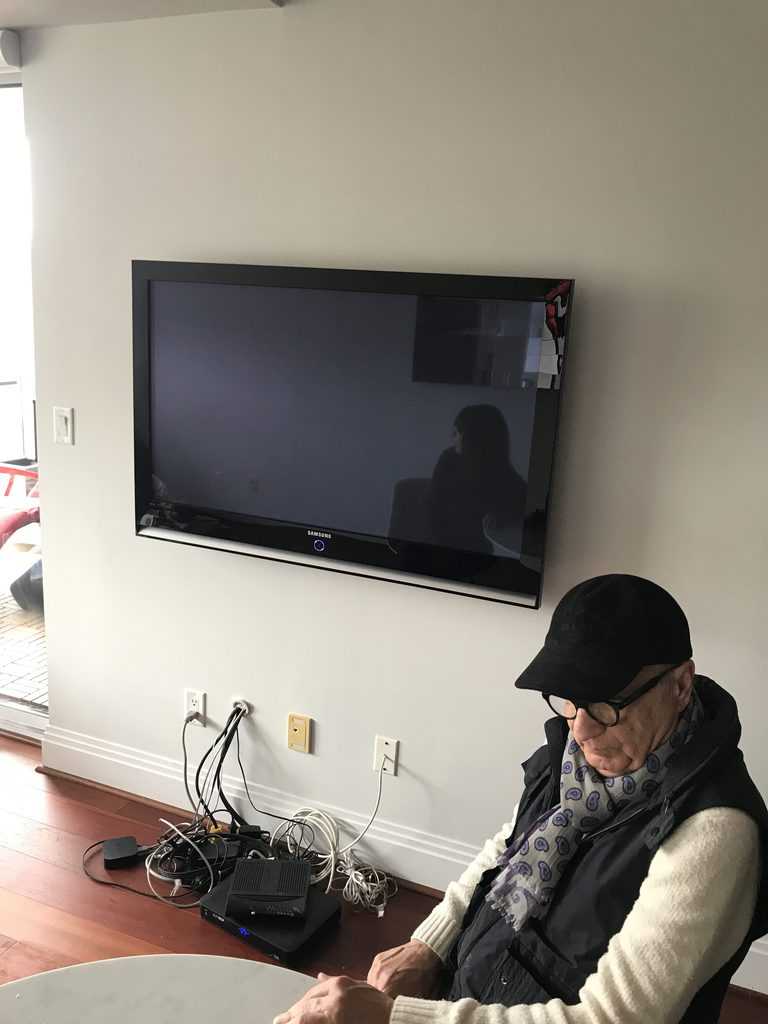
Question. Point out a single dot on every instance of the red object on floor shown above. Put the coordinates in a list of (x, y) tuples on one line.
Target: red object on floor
[(10, 522), (18, 505)]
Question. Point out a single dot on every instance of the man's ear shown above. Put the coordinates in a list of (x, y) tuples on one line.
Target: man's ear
[(684, 683)]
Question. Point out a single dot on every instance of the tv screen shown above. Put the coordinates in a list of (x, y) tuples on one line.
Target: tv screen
[(393, 425)]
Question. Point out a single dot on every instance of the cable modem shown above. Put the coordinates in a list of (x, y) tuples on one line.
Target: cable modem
[(275, 888)]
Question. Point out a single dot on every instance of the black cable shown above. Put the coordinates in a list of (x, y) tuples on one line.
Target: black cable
[(295, 821), (236, 819), (242, 822), (236, 816), (173, 861), (205, 757), (215, 767), (170, 846), (117, 885), (201, 793), (201, 842), (210, 793)]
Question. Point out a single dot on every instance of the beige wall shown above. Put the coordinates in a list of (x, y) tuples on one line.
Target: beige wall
[(623, 144)]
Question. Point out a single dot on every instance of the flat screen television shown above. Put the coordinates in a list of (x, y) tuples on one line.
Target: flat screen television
[(390, 425)]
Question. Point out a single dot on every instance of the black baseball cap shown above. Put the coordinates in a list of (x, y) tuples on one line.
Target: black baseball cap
[(602, 633)]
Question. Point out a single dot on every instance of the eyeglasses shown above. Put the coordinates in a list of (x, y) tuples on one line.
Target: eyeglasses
[(604, 712)]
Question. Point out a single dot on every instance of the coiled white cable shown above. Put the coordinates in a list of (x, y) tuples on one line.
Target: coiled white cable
[(365, 885), (162, 849)]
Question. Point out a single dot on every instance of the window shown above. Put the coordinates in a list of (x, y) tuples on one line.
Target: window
[(17, 373)]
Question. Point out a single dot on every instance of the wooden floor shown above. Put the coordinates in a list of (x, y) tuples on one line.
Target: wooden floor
[(51, 915)]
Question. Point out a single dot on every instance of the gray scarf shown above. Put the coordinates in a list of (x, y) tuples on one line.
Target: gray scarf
[(532, 866)]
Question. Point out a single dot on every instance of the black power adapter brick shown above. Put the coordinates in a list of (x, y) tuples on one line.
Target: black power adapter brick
[(122, 852)]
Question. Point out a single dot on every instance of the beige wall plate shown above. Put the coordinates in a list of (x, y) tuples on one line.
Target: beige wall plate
[(299, 730)]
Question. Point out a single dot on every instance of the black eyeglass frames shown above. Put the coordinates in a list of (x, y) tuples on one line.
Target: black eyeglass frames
[(604, 712)]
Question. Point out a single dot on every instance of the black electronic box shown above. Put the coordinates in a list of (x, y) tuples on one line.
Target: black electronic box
[(280, 937), (277, 888)]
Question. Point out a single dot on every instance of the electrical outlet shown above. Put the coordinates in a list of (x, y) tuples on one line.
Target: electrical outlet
[(387, 750), (194, 701), (299, 729)]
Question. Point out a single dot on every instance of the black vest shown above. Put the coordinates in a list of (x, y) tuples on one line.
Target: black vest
[(553, 956)]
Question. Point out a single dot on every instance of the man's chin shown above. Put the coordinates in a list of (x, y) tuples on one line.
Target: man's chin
[(605, 764)]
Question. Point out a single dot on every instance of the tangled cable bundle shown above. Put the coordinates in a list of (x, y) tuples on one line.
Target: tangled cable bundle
[(192, 857)]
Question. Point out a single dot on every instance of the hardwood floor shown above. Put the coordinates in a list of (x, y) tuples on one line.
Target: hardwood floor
[(52, 916)]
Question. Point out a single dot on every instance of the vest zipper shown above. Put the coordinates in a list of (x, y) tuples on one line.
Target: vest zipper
[(623, 821), (665, 804)]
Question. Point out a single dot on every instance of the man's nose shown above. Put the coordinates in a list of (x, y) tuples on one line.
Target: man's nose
[(585, 727)]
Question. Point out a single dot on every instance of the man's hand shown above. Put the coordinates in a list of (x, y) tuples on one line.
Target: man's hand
[(339, 1001), (410, 970)]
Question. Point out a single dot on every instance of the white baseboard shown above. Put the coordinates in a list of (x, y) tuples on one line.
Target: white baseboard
[(418, 856)]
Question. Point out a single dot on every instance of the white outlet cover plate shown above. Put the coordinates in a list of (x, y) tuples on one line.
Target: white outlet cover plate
[(389, 746), (194, 700)]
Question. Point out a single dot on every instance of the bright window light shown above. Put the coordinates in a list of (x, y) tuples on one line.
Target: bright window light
[(16, 351)]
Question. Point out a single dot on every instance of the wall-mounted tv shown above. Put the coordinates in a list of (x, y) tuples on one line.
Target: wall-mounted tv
[(391, 425)]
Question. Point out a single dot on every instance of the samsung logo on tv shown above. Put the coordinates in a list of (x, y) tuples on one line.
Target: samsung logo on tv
[(318, 533)]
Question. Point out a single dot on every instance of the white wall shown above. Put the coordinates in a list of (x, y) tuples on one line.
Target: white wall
[(623, 144)]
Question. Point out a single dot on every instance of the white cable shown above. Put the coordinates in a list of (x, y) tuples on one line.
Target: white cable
[(150, 872), (364, 885), (164, 847), (357, 839)]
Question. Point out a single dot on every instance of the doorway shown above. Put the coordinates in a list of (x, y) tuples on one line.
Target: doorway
[(23, 656)]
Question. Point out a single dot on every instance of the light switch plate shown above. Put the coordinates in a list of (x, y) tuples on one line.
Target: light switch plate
[(299, 729), (63, 425)]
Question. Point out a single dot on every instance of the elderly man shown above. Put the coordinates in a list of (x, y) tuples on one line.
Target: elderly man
[(633, 878)]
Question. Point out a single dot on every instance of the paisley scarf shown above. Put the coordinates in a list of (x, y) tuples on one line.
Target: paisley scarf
[(532, 866)]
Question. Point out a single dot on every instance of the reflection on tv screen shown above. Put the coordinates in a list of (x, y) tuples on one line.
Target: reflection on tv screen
[(392, 416)]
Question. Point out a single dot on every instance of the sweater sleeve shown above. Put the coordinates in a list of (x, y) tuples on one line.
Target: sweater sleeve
[(692, 913), (439, 930)]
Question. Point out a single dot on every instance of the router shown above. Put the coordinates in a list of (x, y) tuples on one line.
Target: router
[(276, 888)]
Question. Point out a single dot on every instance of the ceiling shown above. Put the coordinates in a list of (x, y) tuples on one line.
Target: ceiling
[(37, 13)]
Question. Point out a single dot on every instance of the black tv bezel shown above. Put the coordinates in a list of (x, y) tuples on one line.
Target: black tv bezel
[(352, 554)]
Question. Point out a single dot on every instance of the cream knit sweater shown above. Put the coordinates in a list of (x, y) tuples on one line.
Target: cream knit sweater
[(691, 915)]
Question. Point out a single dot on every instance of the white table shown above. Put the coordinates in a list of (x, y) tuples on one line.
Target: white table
[(172, 989)]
